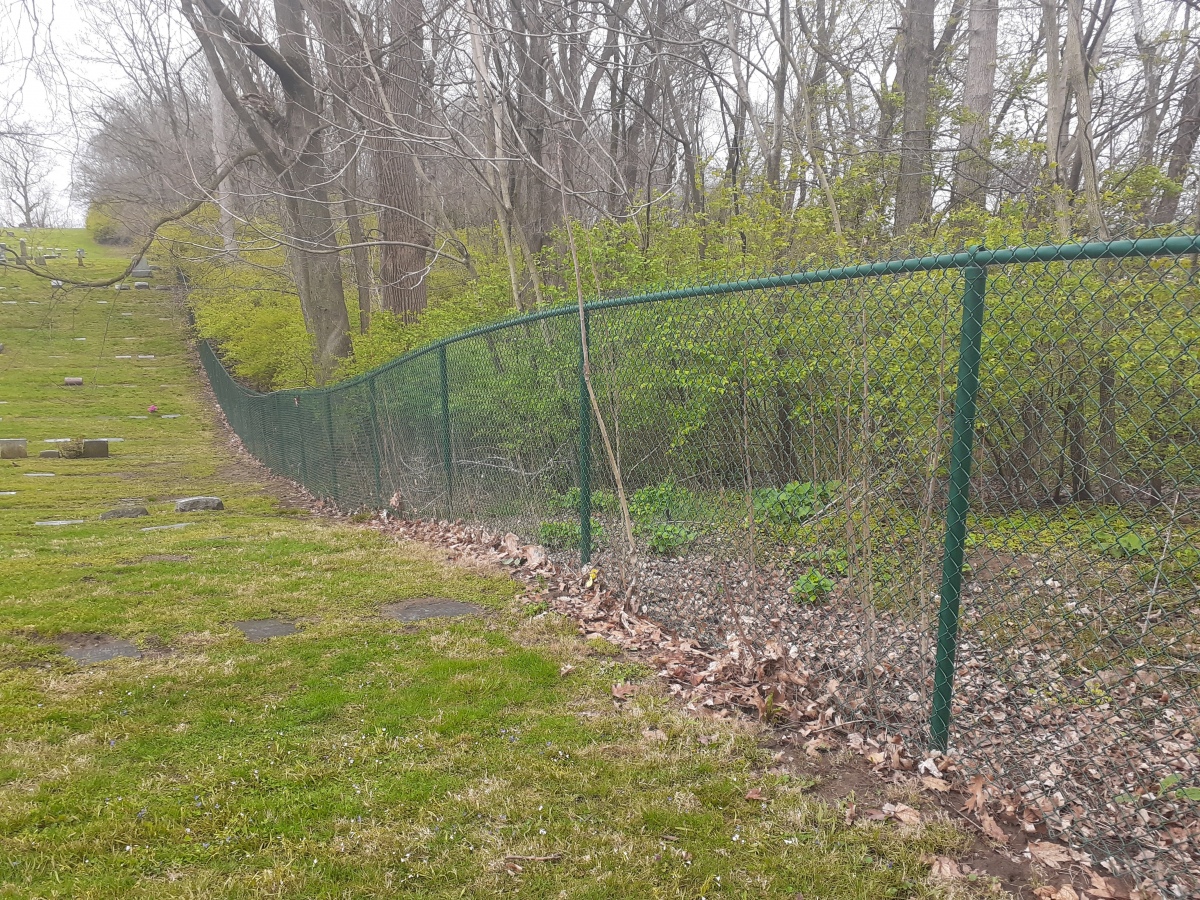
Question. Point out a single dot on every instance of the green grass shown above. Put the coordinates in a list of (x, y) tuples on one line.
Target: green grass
[(360, 757)]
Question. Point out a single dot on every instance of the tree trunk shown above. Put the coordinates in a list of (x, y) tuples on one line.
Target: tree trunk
[(1180, 157), (973, 167), (914, 185), (220, 138), (404, 235)]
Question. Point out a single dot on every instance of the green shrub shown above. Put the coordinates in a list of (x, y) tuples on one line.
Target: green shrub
[(665, 500), (566, 535), (830, 560), (667, 539), (1127, 543), (602, 501), (794, 502), (811, 587)]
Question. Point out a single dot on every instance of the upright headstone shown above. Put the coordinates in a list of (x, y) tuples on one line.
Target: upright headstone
[(94, 449), (79, 256), (14, 448), (3, 254), (140, 269), (24, 250)]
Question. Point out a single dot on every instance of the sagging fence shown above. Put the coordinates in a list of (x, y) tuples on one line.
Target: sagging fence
[(967, 487)]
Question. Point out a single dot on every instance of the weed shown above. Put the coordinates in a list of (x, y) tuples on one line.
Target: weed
[(567, 535), (811, 587), (665, 539)]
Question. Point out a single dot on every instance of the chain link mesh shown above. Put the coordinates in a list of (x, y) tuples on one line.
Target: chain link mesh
[(787, 447)]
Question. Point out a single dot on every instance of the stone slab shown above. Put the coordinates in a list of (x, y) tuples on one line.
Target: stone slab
[(95, 449), (14, 448), (174, 527), (258, 630), (39, 474), (430, 608), (89, 649), (60, 522), (194, 504), (73, 381), (125, 512), (49, 454)]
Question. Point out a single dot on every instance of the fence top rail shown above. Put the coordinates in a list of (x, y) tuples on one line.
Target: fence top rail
[(1143, 248)]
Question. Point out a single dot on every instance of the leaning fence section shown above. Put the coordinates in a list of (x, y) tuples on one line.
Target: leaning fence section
[(966, 488)]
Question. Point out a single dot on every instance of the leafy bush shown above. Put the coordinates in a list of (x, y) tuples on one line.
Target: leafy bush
[(830, 560), (566, 535), (602, 501), (1125, 544), (811, 587), (793, 503), (667, 539), (665, 500)]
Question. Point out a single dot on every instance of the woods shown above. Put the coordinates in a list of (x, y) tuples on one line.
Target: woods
[(402, 151)]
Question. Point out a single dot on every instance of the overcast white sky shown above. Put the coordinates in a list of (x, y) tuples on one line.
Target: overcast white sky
[(49, 73)]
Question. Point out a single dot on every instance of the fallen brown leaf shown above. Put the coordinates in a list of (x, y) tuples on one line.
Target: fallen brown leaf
[(755, 794), (654, 734), (1049, 854), (991, 829), (1066, 892), (941, 785), (943, 868)]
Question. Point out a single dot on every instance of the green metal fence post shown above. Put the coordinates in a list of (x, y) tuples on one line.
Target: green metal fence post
[(959, 501), (333, 478), (301, 432), (447, 453), (585, 454), (375, 440)]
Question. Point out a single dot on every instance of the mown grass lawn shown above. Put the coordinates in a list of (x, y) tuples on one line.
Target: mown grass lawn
[(360, 757)]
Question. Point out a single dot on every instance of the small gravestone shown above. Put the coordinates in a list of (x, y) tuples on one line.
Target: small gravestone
[(14, 448), (88, 649), (125, 512), (39, 260), (39, 474), (70, 381), (81, 339), (140, 269), (55, 283), (141, 285), (172, 416), (95, 449), (174, 527), (60, 522), (79, 256), (194, 504), (49, 454), (24, 249), (122, 287), (162, 287), (257, 630), (8, 493), (1, 348), (430, 608)]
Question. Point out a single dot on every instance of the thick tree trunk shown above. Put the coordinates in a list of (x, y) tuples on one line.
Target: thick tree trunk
[(914, 185), (405, 236), (1180, 156), (973, 167)]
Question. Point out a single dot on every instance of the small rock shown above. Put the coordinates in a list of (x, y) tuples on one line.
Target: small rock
[(192, 504), (125, 512)]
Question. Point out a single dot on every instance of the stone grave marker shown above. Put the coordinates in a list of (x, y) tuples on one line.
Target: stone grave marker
[(70, 381), (14, 448), (430, 608), (257, 630), (194, 504), (140, 269), (95, 449), (174, 527), (60, 522), (125, 512), (39, 474), (49, 454), (89, 649), (141, 285)]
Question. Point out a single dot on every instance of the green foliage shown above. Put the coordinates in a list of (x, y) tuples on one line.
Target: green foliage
[(667, 539), (830, 560), (567, 535), (793, 503), (1122, 544), (602, 501), (811, 587), (105, 226), (665, 500)]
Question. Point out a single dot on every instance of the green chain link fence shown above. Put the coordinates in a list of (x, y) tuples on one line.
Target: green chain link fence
[(967, 486)]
